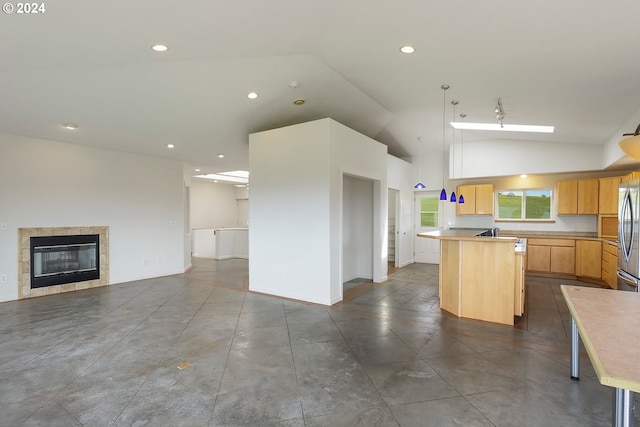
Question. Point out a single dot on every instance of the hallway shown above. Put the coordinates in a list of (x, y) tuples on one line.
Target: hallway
[(197, 349)]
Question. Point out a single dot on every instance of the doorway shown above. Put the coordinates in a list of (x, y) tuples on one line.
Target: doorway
[(428, 211), (393, 230), (357, 231)]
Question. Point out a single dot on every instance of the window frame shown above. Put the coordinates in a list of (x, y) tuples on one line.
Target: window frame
[(523, 214)]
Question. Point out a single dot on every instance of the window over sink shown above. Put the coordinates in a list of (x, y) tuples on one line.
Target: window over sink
[(524, 205)]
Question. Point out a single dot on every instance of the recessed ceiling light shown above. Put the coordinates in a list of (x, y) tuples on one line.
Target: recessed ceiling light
[(221, 156), (71, 126), (298, 101), (170, 146), (524, 175), (159, 48), (407, 49), (252, 95), (197, 170)]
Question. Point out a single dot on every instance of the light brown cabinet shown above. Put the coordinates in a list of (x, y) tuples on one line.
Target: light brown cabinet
[(610, 264), (589, 258), (478, 199), (608, 196), (519, 292), (578, 197), (551, 255)]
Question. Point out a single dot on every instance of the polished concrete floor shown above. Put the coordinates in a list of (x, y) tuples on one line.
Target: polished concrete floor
[(197, 349)]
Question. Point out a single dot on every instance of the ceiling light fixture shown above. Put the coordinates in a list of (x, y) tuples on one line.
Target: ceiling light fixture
[(70, 126), (159, 48), (298, 101), (221, 156), (631, 146), (407, 49), (170, 146), (500, 126), (453, 145), (252, 95)]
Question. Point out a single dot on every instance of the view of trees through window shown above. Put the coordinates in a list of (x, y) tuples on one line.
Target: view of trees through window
[(524, 204), (429, 211)]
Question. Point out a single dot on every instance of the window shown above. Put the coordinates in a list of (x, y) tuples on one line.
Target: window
[(528, 205), (429, 211)]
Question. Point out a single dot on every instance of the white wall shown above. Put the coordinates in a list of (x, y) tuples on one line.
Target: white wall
[(510, 157), (51, 184), (213, 205), (295, 243), (357, 229)]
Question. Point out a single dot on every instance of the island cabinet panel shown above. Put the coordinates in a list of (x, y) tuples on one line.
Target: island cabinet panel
[(608, 196), (577, 197), (449, 282), (551, 255), (478, 199), (488, 292), (589, 258), (519, 293)]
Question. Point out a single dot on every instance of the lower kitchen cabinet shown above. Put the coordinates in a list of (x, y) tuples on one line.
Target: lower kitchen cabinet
[(589, 258), (610, 264), (551, 255)]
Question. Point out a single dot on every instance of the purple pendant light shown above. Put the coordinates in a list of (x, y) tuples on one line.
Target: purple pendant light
[(453, 146), (462, 116), (443, 192)]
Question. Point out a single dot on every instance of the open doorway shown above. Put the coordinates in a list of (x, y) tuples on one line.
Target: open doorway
[(357, 232)]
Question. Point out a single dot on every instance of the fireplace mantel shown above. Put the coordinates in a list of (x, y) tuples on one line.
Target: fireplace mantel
[(24, 260)]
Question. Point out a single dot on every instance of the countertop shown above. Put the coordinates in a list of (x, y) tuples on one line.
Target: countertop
[(464, 235), (609, 325)]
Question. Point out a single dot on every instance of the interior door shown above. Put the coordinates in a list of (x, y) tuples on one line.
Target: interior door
[(428, 218)]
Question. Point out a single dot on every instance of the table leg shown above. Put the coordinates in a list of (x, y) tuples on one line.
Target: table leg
[(575, 351), (623, 408)]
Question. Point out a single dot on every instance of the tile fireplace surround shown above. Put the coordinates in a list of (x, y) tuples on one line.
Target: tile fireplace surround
[(24, 260)]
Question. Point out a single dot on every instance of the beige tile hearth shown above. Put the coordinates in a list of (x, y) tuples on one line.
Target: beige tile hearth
[(24, 260)]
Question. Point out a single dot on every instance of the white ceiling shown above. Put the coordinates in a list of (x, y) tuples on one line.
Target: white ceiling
[(572, 64)]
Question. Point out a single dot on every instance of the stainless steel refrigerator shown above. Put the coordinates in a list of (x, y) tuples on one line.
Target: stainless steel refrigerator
[(628, 236)]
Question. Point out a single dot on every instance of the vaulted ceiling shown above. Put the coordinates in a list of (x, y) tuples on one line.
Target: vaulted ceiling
[(572, 64)]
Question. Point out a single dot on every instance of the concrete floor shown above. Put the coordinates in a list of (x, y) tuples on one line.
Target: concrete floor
[(198, 350)]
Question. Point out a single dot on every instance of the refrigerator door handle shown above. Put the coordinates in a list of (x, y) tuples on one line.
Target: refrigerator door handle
[(628, 277), (624, 209)]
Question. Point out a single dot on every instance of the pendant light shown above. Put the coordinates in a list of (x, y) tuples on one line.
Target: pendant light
[(462, 116), (419, 185), (453, 145), (631, 146), (443, 192)]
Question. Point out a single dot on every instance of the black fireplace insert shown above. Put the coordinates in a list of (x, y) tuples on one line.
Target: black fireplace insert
[(56, 260)]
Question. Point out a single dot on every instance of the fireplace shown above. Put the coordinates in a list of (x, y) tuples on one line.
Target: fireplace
[(56, 260)]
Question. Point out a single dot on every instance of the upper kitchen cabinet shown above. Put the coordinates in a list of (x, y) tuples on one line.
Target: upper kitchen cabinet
[(608, 198), (578, 197), (478, 199), (630, 176)]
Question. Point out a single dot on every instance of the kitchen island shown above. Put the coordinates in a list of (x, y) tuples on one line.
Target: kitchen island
[(481, 278)]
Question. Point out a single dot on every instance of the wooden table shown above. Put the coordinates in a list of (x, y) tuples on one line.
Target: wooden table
[(609, 323)]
